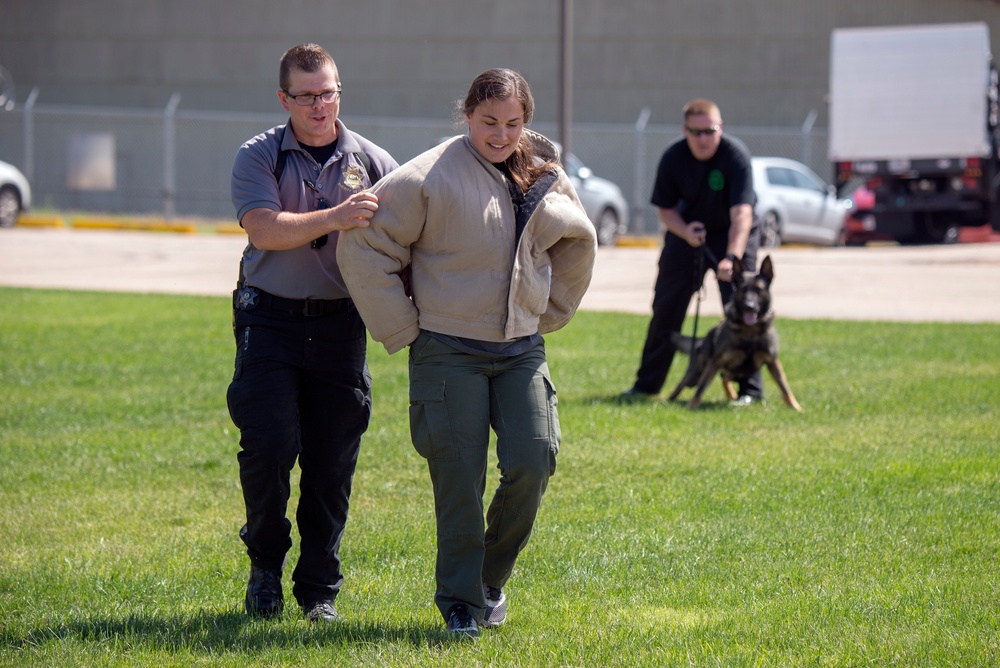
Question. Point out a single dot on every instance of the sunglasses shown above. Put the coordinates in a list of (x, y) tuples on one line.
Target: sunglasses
[(697, 132), (321, 204)]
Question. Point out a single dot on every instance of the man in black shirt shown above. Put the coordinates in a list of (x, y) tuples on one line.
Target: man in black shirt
[(704, 197)]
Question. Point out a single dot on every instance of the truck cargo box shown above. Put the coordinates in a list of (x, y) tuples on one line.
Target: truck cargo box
[(909, 92)]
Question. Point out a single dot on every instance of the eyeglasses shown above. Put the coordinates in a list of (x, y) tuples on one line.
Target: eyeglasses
[(321, 204), (309, 99), (697, 132)]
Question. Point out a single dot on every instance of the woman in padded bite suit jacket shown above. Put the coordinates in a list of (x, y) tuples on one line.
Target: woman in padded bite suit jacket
[(499, 251)]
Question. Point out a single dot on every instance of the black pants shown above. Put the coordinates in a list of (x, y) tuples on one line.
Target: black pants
[(301, 389), (681, 272)]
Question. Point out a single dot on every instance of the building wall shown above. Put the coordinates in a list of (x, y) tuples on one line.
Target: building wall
[(106, 69), (764, 61)]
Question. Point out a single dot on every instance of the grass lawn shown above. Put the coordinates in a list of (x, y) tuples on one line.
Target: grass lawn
[(862, 532)]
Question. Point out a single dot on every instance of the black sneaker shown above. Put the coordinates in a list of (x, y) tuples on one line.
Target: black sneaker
[(264, 597), (461, 623), (632, 395), (321, 611), (496, 607)]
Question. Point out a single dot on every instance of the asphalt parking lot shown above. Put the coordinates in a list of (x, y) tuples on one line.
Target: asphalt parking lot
[(954, 283)]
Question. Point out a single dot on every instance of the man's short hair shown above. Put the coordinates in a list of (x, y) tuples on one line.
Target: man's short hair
[(701, 107), (305, 57)]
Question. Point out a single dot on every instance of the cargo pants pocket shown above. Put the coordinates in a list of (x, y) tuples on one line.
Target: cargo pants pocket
[(555, 432), (430, 424)]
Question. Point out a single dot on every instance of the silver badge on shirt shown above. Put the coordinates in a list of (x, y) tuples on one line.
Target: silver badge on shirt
[(354, 178)]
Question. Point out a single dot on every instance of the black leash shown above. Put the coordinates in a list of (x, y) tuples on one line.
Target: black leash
[(704, 252)]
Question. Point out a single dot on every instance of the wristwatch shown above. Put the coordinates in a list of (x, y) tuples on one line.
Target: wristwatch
[(731, 257)]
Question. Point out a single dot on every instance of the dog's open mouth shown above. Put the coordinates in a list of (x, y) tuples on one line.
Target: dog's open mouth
[(750, 318)]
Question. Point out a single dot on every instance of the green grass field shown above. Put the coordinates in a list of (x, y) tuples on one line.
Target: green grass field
[(862, 532)]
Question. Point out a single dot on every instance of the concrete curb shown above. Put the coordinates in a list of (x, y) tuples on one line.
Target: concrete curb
[(135, 224), (26, 220), (142, 225)]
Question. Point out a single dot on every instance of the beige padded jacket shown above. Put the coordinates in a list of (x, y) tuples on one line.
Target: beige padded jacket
[(447, 214)]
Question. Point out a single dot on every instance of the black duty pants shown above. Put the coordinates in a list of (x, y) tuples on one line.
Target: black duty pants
[(681, 272), (301, 389)]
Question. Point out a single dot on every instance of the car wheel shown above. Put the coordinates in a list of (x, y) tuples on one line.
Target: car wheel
[(607, 227), (10, 206), (841, 239), (770, 230)]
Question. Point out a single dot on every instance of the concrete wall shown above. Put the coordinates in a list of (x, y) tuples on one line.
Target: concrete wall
[(764, 61), (403, 64)]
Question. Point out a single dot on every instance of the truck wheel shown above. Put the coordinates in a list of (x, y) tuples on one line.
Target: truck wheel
[(950, 235), (937, 231), (770, 230)]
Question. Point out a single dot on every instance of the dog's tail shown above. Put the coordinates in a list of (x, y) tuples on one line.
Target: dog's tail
[(685, 344)]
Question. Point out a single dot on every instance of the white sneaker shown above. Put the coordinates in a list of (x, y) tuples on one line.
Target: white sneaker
[(496, 607), (746, 400)]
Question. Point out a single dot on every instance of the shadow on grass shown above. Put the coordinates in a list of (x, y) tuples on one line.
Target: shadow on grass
[(661, 402), (224, 632)]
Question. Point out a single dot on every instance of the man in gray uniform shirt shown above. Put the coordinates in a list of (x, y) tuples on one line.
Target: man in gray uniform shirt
[(301, 386)]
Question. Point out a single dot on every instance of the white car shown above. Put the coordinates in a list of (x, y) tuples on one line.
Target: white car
[(796, 206), (603, 201), (15, 194)]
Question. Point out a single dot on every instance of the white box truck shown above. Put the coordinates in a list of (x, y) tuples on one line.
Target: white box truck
[(913, 116)]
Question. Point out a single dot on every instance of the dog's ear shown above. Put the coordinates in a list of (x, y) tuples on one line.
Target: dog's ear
[(767, 270), (738, 277)]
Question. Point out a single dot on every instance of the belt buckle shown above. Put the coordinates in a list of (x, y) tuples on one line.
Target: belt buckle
[(312, 308), (247, 298)]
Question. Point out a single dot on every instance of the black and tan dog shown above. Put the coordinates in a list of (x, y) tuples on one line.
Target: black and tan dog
[(741, 344)]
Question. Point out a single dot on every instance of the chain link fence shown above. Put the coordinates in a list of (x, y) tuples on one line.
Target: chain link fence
[(175, 163)]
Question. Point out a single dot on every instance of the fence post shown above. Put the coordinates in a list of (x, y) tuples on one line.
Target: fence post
[(29, 135), (170, 156), (638, 224), (566, 78), (806, 150)]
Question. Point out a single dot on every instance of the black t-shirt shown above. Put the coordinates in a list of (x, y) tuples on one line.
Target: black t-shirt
[(321, 153), (704, 191)]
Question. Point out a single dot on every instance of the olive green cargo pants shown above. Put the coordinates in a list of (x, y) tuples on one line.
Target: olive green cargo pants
[(455, 398)]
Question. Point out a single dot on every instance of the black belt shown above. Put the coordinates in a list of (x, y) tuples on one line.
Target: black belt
[(249, 298)]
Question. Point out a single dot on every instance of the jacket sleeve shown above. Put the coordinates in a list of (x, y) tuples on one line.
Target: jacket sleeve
[(371, 259), (572, 256)]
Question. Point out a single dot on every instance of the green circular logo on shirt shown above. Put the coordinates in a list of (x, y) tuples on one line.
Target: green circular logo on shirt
[(715, 180)]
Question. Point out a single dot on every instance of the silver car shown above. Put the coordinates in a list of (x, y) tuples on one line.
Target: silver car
[(15, 194), (796, 206), (603, 200)]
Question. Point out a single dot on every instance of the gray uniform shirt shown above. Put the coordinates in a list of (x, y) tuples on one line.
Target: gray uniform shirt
[(303, 272)]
